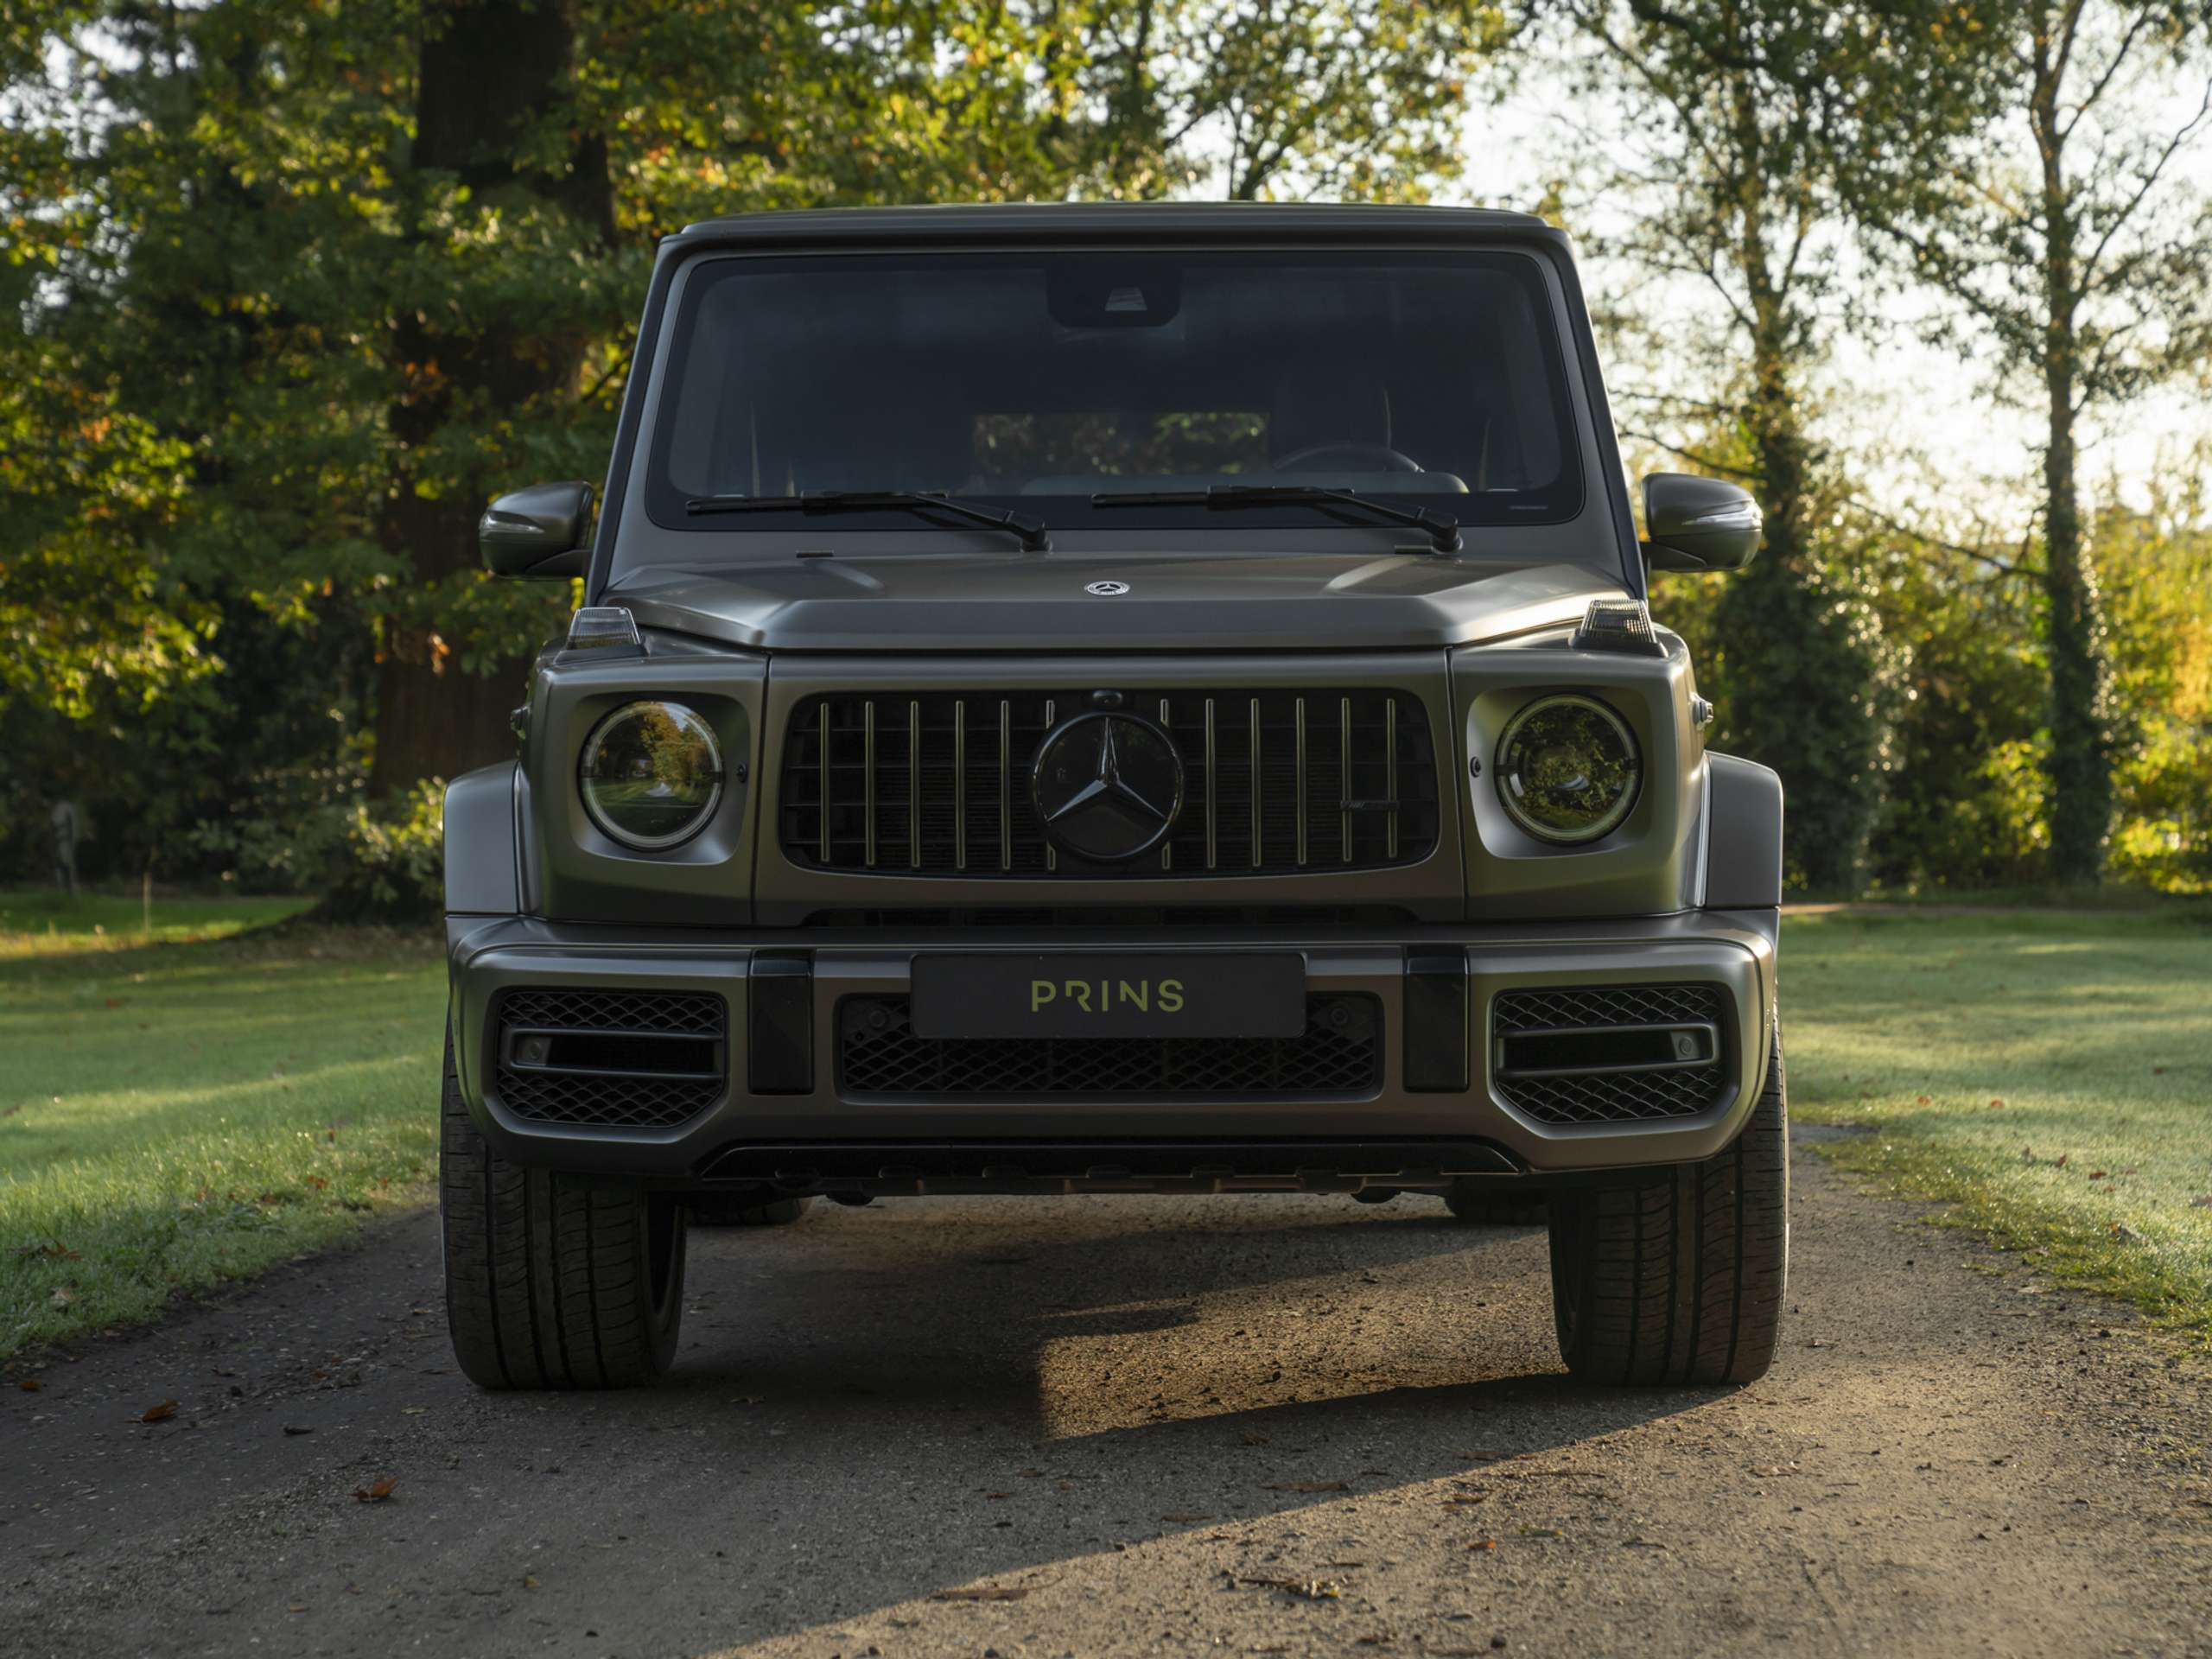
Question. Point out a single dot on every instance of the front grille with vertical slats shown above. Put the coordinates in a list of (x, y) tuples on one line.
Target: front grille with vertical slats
[(1274, 782)]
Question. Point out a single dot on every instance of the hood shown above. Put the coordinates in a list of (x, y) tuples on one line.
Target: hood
[(979, 602)]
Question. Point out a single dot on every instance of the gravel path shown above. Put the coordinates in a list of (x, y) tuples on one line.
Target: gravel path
[(1122, 1426)]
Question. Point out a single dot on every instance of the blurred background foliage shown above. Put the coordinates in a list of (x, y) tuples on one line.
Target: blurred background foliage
[(294, 287)]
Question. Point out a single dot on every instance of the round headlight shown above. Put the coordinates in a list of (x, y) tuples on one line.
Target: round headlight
[(1568, 769), (651, 774)]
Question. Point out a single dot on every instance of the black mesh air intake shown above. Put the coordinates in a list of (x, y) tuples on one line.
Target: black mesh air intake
[(1340, 1054), (1612, 1053), (608, 1058)]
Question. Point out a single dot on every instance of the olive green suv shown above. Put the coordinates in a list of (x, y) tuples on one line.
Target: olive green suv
[(1114, 699)]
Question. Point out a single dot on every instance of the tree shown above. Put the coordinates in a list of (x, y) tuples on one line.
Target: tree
[(1743, 123), (2058, 228), (1347, 98)]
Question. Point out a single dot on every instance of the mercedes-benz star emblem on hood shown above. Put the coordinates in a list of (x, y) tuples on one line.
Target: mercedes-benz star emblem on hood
[(1107, 786), (1106, 589)]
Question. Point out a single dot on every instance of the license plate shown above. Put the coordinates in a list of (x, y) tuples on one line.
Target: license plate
[(1059, 994)]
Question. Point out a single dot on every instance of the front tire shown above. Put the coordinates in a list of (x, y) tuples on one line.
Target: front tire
[(552, 1281), (1680, 1279)]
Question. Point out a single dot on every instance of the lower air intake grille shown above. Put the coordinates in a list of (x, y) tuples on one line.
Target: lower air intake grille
[(1612, 1054), (612, 1059), (1339, 1054)]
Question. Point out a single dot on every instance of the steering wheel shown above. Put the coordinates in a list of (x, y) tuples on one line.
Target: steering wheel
[(1392, 460)]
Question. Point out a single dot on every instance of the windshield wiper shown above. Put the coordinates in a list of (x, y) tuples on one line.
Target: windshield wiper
[(816, 501), (1443, 533)]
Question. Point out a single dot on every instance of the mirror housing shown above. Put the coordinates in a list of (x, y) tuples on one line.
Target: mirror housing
[(1692, 523), (537, 532)]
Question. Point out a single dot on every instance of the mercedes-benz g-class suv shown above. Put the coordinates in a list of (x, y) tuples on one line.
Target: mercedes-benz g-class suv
[(1114, 699)]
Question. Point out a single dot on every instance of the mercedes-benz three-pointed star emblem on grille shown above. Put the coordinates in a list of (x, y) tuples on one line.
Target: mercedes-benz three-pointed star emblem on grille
[(1107, 786)]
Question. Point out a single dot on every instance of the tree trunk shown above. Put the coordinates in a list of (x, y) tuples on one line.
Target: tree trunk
[(2081, 738), (489, 71)]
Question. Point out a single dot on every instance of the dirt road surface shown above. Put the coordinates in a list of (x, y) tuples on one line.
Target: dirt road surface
[(1125, 1425)]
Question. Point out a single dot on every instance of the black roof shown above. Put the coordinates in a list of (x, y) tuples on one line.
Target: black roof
[(1115, 221)]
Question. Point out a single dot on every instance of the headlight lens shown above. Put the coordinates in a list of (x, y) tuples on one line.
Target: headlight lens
[(651, 774), (1568, 769)]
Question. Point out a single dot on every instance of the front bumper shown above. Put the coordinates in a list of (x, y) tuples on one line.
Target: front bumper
[(818, 1137)]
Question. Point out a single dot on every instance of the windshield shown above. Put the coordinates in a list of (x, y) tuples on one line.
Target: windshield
[(1040, 381)]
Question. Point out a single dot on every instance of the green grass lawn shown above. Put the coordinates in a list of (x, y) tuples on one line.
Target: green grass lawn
[(46, 922), (175, 1115), (2049, 1074)]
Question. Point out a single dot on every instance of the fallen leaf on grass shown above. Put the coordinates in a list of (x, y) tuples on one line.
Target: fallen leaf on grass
[(1483, 1543), (2202, 1202), (160, 1413), (378, 1493), (1923, 1101), (1996, 1103), (1307, 1486), (52, 1250), (984, 1592), (1310, 1589), (61, 1298)]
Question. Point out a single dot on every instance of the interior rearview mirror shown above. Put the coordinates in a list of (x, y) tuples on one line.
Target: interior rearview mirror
[(1699, 524), (539, 531)]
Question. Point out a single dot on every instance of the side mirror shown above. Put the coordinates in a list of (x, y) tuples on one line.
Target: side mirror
[(1699, 524), (539, 532)]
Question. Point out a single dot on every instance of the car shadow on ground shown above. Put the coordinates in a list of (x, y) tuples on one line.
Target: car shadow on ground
[(972, 1399)]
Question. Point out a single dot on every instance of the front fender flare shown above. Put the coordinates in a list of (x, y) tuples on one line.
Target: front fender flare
[(1742, 853), (483, 873)]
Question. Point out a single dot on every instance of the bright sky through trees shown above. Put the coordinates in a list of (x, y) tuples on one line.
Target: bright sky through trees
[(1918, 421)]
